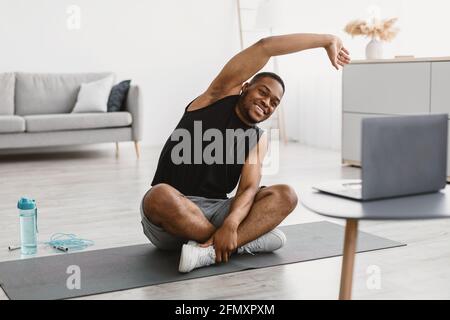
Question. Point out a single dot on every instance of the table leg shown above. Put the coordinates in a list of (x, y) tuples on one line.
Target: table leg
[(351, 231)]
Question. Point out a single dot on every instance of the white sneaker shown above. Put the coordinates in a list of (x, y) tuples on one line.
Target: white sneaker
[(268, 242), (193, 257)]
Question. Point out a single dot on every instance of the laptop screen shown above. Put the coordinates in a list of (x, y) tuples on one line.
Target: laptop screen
[(403, 155)]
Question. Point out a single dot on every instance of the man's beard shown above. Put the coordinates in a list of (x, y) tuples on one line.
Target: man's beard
[(244, 111)]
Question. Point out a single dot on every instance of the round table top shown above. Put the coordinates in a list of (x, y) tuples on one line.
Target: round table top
[(426, 206)]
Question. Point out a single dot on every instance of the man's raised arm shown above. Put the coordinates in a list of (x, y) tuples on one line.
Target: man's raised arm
[(249, 61)]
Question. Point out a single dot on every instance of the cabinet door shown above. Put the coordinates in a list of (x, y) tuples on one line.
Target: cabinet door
[(351, 135), (440, 87), (387, 88)]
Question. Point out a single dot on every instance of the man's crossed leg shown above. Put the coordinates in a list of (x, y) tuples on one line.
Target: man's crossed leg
[(171, 219)]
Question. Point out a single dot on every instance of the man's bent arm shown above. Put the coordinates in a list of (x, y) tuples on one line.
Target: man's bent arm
[(225, 237), (248, 185)]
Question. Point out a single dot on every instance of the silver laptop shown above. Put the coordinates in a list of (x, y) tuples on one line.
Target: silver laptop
[(401, 155)]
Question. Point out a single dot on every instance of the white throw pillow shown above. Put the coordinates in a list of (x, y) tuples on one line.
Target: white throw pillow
[(93, 96)]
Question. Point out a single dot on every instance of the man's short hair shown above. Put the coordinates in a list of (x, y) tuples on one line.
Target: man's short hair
[(270, 75)]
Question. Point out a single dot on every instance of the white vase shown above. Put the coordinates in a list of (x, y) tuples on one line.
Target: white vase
[(374, 49)]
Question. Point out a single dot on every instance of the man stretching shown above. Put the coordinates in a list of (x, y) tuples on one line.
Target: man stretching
[(187, 206)]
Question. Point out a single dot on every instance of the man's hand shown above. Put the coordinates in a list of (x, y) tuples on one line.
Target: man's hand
[(224, 241), (338, 55)]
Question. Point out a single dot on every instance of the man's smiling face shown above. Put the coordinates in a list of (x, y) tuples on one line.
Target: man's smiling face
[(259, 99)]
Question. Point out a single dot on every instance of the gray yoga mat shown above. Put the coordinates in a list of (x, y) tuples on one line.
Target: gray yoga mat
[(143, 265)]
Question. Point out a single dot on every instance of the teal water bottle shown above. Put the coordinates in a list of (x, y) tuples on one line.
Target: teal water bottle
[(28, 225)]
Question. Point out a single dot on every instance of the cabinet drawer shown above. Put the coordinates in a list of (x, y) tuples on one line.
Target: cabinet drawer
[(387, 88), (440, 87)]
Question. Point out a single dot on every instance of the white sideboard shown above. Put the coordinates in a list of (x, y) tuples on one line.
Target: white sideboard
[(374, 88)]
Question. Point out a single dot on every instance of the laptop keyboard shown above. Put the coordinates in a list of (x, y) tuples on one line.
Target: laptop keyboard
[(351, 192)]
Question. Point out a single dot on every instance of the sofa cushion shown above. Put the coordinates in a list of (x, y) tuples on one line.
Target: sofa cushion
[(7, 81), (41, 93), (93, 96), (77, 121), (12, 124)]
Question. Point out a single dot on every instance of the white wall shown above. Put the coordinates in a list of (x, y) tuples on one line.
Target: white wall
[(313, 97), (173, 49)]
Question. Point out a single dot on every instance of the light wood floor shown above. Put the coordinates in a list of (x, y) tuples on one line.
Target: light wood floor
[(90, 192)]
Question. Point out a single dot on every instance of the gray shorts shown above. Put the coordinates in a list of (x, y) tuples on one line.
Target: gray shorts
[(215, 210)]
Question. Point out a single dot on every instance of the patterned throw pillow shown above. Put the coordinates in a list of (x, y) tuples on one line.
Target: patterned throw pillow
[(118, 95)]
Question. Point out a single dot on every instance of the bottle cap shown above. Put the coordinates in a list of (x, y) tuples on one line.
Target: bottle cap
[(26, 204)]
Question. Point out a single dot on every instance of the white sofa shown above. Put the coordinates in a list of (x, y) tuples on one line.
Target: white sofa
[(35, 111)]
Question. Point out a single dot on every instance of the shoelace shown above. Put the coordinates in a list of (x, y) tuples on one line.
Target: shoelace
[(207, 258), (255, 245), (248, 251)]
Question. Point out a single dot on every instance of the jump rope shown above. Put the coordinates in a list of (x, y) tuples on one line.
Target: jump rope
[(64, 242)]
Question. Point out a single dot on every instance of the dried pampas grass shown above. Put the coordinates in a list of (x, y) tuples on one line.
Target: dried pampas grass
[(381, 29)]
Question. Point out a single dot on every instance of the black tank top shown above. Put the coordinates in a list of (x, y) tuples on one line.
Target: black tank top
[(197, 174)]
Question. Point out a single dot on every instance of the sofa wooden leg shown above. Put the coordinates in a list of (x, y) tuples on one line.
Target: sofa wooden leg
[(137, 148), (117, 149)]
